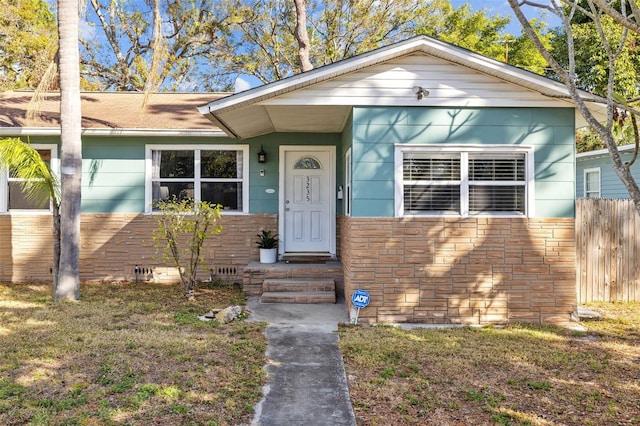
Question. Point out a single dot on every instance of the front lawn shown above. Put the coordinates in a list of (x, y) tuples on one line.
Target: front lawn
[(517, 375), (126, 354)]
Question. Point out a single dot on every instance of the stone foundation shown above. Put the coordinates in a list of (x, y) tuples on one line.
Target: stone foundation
[(113, 244), (461, 271)]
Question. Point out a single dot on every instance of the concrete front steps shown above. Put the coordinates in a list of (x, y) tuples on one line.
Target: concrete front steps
[(298, 290), (284, 282)]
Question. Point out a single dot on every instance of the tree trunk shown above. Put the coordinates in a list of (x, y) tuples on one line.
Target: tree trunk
[(68, 283), (55, 270), (302, 36)]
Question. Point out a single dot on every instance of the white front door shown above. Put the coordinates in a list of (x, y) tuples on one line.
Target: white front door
[(308, 200)]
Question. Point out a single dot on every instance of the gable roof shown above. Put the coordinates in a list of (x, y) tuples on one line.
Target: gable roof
[(106, 113), (321, 100)]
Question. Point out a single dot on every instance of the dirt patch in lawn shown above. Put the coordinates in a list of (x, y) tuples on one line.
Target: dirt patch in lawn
[(126, 354), (517, 375)]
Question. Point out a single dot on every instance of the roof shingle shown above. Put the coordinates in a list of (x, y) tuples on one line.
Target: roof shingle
[(113, 110)]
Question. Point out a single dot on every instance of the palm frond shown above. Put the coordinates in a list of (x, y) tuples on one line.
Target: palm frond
[(37, 180), (49, 81)]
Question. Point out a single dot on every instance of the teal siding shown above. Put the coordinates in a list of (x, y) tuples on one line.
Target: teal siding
[(260, 200), (377, 130), (113, 170), (113, 167), (610, 184), (113, 174)]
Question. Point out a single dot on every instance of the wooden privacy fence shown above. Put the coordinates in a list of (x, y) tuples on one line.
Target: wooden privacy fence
[(607, 250)]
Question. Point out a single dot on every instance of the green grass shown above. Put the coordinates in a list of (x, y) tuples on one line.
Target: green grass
[(516, 375), (126, 354)]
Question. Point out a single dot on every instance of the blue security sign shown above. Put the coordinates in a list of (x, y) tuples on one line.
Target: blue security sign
[(360, 298)]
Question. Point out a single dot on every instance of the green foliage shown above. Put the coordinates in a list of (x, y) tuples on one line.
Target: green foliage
[(522, 52), (588, 140), (183, 226), (472, 30), (28, 33), (592, 62), (38, 181), (267, 239)]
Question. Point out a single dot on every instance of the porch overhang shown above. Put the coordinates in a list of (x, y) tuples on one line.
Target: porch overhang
[(255, 120)]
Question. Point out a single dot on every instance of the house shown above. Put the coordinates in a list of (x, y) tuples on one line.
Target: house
[(595, 177), (441, 182)]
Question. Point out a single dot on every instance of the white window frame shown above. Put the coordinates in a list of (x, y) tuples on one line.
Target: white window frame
[(347, 183), (148, 187), (585, 178), (4, 182), (464, 150)]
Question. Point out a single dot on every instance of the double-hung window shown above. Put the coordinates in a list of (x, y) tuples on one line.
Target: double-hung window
[(12, 198), (214, 173), (464, 181)]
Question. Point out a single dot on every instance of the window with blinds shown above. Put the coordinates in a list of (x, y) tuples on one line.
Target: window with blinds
[(464, 183), (431, 183), (496, 183)]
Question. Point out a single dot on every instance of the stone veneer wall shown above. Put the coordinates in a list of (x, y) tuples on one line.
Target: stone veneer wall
[(112, 244), (461, 271)]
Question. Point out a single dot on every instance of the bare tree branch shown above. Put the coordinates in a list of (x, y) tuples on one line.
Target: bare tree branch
[(621, 19), (569, 80)]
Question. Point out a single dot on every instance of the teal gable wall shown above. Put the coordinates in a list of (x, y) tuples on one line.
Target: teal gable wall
[(610, 184), (377, 130)]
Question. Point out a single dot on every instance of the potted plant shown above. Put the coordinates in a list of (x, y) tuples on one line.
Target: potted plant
[(268, 244)]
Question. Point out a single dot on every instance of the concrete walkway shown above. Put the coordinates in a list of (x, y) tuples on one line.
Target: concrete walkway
[(306, 382)]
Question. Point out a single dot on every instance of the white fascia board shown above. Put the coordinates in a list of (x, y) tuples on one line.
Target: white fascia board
[(604, 151), (55, 131)]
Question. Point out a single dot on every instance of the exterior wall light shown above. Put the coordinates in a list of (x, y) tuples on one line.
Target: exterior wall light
[(262, 156), (420, 92)]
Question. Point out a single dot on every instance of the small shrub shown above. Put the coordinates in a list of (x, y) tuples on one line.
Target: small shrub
[(183, 225)]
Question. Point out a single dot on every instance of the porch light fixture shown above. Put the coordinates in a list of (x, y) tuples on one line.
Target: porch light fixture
[(262, 156), (420, 92)]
